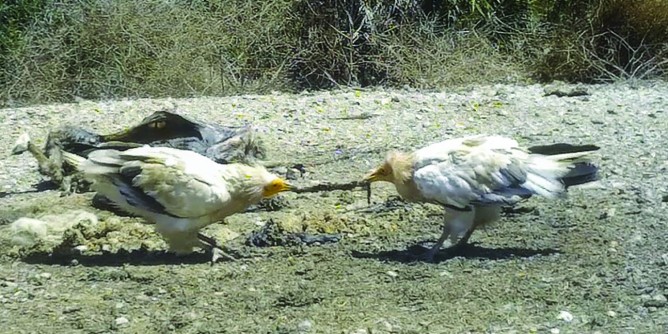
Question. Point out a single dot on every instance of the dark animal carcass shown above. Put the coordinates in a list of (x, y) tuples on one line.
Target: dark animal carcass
[(223, 144)]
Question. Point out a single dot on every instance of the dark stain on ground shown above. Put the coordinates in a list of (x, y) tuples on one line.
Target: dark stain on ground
[(138, 257), (469, 251)]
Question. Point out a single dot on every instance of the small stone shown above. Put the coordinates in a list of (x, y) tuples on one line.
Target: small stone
[(658, 300), (280, 170), (121, 321), (565, 316), (192, 315), (142, 297), (565, 91), (554, 331), (305, 326), (388, 326), (8, 284), (81, 248), (45, 275), (608, 214), (119, 305), (293, 174), (71, 309), (446, 274), (611, 314), (392, 273)]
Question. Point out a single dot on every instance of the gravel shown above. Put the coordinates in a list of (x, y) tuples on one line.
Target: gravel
[(624, 119), (614, 250)]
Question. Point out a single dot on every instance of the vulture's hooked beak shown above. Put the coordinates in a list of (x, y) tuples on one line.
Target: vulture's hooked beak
[(372, 176), (276, 186)]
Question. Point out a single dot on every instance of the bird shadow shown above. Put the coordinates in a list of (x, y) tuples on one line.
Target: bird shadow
[(470, 251), (138, 257), (36, 188)]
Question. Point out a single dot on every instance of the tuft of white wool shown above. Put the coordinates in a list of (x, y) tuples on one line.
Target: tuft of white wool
[(49, 229)]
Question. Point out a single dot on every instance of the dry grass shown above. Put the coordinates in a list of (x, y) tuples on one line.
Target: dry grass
[(111, 49), (150, 48), (420, 58), (630, 38), (618, 40)]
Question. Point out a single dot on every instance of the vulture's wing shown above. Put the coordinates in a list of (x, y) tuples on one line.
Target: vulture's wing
[(168, 181), (473, 170)]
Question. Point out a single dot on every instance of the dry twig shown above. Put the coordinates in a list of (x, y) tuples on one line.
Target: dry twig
[(327, 186)]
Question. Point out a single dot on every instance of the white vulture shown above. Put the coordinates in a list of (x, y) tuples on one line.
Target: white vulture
[(474, 176), (180, 191)]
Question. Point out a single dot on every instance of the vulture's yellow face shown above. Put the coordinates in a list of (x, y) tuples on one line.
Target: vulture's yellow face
[(274, 187), (382, 173), (397, 167)]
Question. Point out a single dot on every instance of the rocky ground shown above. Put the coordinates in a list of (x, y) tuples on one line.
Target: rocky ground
[(596, 261)]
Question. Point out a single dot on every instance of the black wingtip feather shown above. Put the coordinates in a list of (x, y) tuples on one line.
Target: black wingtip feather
[(581, 173), (561, 148), (137, 198)]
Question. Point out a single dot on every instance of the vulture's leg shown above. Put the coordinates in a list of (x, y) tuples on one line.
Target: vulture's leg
[(465, 239), (456, 219), (216, 251), (429, 255), (483, 216)]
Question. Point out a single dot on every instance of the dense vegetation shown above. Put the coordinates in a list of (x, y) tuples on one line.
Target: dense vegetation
[(59, 50)]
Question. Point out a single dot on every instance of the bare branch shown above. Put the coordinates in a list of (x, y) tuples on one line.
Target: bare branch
[(326, 186)]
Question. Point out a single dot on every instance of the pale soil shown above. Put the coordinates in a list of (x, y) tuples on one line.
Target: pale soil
[(601, 255)]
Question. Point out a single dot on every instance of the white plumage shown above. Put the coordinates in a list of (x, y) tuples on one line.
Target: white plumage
[(178, 190), (472, 177)]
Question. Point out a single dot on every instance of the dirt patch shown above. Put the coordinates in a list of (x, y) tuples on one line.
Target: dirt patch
[(593, 262)]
